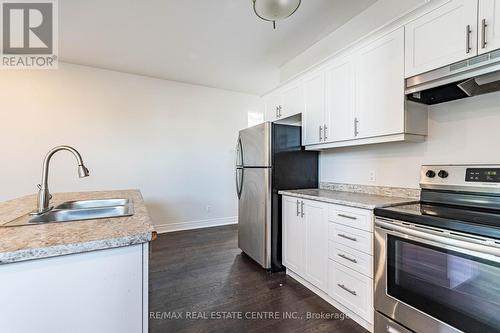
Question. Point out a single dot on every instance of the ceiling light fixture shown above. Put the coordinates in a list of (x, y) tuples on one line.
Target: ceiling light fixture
[(275, 10)]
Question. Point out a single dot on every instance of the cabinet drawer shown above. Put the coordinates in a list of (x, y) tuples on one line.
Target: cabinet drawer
[(352, 217), (358, 261), (354, 238), (352, 289)]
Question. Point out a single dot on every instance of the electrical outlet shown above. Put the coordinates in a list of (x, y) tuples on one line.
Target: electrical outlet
[(371, 176)]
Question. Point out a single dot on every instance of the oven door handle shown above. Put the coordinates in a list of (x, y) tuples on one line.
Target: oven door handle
[(429, 236)]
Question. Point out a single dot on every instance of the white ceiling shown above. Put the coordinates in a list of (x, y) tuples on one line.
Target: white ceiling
[(217, 43)]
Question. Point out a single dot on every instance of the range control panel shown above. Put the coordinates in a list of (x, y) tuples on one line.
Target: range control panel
[(486, 175), (476, 177)]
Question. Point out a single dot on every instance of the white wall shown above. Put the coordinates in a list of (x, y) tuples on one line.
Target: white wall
[(372, 18), (463, 131), (175, 142)]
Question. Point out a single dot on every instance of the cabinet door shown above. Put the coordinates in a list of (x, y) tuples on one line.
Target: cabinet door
[(273, 101), (99, 291), (440, 37), (340, 101), (489, 25), (293, 100), (316, 243), (314, 115), (293, 234), (380, 87)]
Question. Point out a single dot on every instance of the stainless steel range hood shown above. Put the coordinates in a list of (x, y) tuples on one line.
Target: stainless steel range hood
[(475, 76)]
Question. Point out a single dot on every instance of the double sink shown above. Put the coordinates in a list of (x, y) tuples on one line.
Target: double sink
[(78, 211), (71, 210)]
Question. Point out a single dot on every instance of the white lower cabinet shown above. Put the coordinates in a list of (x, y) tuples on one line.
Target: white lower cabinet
[(351, 258), (316, 243), (329, 248), (352, 289), (305, 239), (293, 234), (102, 291)]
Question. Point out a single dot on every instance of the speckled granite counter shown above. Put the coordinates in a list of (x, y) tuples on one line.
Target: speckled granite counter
[(55, 239), (359, 200)]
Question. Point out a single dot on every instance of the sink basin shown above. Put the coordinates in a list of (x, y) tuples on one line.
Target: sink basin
[(84, 204), (65, 215), (78, 211)]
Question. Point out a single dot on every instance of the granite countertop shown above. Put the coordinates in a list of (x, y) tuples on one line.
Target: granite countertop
[(359, 200), (56, 239)]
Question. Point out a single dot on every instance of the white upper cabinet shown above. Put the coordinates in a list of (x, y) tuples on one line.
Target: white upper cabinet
[(313, 120), (340, 100), (380, 97), (489, 25), (293, 100), (441, 37), (285, 102)]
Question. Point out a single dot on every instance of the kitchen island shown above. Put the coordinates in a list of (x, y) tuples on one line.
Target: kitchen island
[(81, 276)]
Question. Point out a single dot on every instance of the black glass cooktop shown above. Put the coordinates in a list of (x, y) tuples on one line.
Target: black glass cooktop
[(481, 222)]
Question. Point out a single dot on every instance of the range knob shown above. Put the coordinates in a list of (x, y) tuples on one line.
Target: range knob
[(443, 173), (430, 174)]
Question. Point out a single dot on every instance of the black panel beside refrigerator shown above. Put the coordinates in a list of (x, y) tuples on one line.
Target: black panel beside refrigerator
[(293, 168)]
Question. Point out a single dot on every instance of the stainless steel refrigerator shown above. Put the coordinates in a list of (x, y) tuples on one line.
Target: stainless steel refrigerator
[(269, 158)]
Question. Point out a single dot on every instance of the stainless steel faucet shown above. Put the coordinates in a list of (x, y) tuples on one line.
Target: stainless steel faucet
[(44, 195)]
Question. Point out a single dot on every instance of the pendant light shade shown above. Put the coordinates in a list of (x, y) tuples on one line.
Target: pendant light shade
[(275, 10)]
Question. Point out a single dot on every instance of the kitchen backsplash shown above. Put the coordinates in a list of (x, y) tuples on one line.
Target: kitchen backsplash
[(401, 192)]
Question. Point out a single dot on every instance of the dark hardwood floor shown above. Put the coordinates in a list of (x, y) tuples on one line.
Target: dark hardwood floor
[(203, 274)]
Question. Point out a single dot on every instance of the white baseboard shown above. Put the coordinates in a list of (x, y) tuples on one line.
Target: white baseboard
[(169, 227)]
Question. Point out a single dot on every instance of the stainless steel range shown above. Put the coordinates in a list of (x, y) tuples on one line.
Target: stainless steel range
[(437, 263)]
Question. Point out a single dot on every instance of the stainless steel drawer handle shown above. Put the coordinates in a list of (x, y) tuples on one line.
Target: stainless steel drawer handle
[(347, 216), (320, 133), (468, 32), (347, 258), (356, 122), (483, 34), (347, 289), (347, 237)]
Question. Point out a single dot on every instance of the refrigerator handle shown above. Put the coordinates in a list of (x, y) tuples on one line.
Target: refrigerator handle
[(239, 181), (239, 152)]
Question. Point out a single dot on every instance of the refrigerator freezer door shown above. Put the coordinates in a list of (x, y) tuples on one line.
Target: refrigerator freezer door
[(255, 143), (254, 215)]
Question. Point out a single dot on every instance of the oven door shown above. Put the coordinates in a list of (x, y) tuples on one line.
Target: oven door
[(432, 280)]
